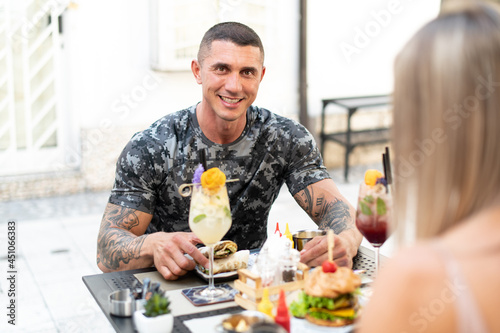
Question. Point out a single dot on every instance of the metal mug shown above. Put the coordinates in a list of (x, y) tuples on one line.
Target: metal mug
[(121, 303), (301, 237)]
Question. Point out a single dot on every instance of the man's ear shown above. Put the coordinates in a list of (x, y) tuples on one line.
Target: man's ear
[(263, 72), (196, 69)]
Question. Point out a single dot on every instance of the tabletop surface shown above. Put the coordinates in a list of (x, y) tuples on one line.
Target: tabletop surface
[(101, 285)]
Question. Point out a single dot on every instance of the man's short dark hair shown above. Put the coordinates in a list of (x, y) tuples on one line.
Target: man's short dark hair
[(234, 32)]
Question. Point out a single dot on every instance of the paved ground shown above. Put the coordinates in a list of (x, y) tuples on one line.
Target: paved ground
[(56, 246)]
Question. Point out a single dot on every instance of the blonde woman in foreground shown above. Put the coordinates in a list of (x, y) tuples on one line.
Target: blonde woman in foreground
[(447, 169)]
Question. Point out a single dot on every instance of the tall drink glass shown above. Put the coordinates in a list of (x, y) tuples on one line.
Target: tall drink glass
[(373, 216), (210, 219)]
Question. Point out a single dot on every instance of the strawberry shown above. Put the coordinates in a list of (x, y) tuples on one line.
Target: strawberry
[(329, 266)]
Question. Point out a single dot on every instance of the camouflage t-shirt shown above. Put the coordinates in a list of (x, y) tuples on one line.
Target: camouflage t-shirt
[(271, 150)]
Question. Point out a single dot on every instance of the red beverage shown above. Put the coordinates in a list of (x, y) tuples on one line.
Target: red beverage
[(375, 233), (374, 211)]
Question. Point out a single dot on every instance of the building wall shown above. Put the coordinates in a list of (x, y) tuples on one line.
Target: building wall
[(96, 171), (111, 91)]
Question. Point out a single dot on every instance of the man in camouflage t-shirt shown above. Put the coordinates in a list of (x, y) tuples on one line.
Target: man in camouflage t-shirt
[(146, 220)]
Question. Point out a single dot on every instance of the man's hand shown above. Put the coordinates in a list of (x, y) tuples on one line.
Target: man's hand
[(122, 244), (169, 251), (316, 251), (330, 210)]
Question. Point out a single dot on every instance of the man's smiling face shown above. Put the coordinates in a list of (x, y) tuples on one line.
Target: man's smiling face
[(230, 76)]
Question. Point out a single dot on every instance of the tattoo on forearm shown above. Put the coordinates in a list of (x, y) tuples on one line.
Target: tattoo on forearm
[(333, 215), (336, 216), (114, 244)]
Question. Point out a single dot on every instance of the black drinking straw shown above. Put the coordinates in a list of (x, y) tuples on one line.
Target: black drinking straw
[(384, 162), (388, 175), (203, 158)]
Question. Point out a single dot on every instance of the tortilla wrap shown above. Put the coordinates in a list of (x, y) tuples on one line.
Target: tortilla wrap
[(222, 249), (234, 262)]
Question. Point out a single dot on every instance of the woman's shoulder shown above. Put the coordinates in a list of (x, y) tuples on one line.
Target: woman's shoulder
[(405, 287), (415, 265), (417, 272)]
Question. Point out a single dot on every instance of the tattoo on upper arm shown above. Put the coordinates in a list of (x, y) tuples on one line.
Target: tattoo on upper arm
[(334, 215), (305, 200), (116, 244)]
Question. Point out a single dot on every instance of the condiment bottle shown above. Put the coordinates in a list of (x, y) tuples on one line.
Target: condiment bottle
[(266, 267), (265, 305), (288, 264), (277, 229), (282, 316), (288, 235)]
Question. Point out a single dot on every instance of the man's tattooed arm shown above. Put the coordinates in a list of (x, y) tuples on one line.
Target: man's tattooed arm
[(118, 246), (326, 206), (328, 212)]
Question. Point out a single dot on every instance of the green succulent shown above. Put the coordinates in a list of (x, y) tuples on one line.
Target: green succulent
[(156, 305)]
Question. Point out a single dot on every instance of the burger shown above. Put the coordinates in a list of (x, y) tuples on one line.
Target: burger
[(330, 296), (227, 258)]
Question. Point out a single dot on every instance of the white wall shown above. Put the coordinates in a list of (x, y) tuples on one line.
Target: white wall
[(352, 44), (107, 49), (110, 79)]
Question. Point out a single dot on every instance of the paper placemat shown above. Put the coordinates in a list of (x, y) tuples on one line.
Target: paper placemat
[(206, 325), (209, 325), (190, 323)]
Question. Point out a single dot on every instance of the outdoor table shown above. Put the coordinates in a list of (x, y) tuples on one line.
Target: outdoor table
[(101, 285), (351, 138)]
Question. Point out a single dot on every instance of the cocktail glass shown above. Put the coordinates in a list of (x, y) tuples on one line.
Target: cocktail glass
[(373, 216), (210, 219)]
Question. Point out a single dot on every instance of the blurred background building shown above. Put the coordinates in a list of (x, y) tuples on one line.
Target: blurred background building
[(79, 78)]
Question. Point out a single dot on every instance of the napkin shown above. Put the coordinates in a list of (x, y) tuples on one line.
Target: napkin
[(209, 324), (206, 325)]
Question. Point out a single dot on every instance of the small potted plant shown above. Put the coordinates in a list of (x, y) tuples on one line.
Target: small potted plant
[(156, 316)]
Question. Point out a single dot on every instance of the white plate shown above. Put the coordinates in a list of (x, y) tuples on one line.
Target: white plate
[(304, 326), (227, 275)]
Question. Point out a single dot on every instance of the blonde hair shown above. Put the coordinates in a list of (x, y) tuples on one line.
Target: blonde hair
[(446, 133)]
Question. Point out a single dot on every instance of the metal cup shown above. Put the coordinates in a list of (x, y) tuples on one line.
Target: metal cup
[(121, 303), (300, 238)]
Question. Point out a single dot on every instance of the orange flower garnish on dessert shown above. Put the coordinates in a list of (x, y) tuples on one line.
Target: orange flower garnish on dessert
[(371, 176), (212, 180)]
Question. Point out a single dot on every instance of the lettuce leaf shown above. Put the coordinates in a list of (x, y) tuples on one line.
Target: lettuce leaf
[(300, 307)]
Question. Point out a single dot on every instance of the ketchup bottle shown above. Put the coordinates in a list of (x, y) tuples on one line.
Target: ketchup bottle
[(282, 316), (277, 229)]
